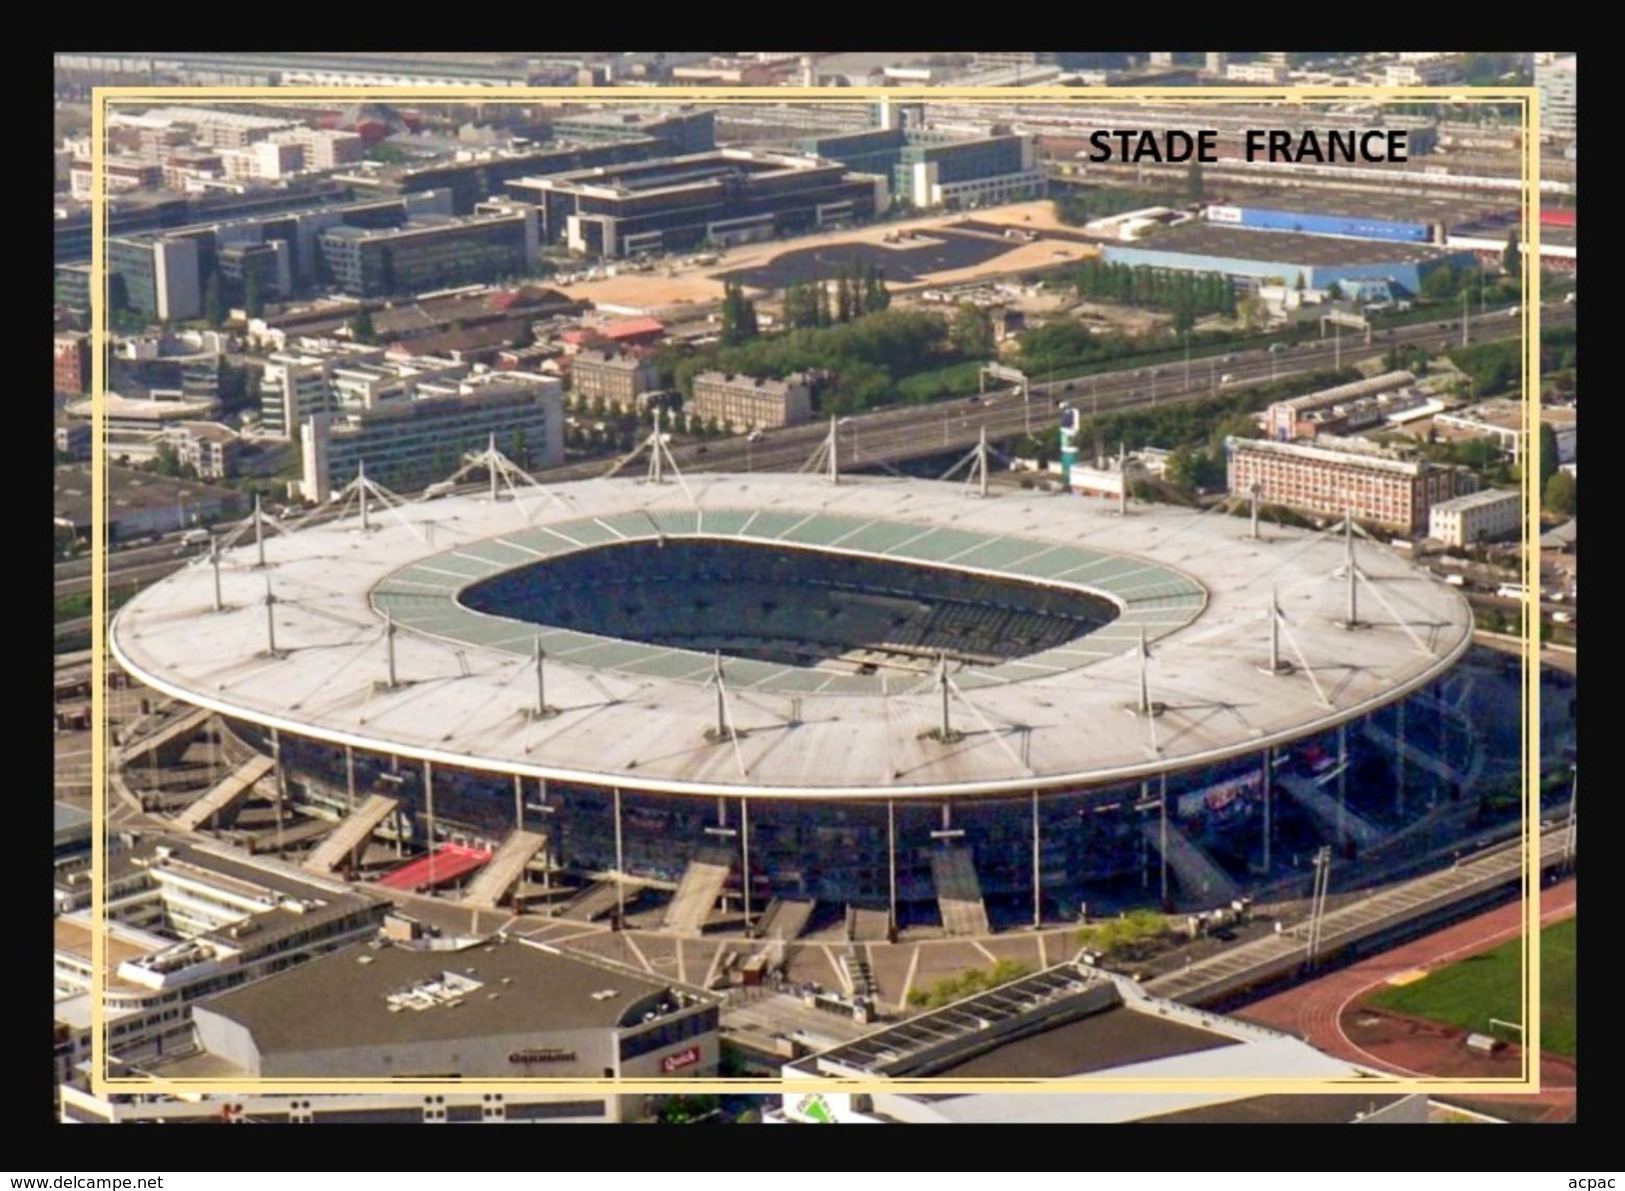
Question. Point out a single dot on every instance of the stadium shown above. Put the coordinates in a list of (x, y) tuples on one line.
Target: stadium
[(720, 700)]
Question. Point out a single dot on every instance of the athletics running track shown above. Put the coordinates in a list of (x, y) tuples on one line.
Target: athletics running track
[(1326, 1013)]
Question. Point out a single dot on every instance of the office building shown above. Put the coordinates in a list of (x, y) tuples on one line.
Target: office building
[(192, 919), (1273, 73), (729, 196), (496, 1008), (1335, 476), (1076, 1021), (431, 253), (1477, 517), (1433, 72), (938, 169), (1315, 413), (209, 448), (160, 275), (750, 402)]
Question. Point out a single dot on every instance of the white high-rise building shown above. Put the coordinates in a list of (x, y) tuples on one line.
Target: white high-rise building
[(1558, 82)]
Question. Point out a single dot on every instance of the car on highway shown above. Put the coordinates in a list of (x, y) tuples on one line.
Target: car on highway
[(755, 436), (1226, 379)]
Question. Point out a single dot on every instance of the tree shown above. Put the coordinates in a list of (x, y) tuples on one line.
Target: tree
[(1439, 283), (1334, 291), (738, 315), (1559, 494), (214, 311), (1548, 453), (843, 301), (1510, 255), (971, 332), (361, 328), (872, 291)]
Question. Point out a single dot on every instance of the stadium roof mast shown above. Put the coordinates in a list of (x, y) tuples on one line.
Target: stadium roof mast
[(1354, 571), (214, 562), (270, 620), (978, 460), (660, 458), (389, 644), (541, 711)]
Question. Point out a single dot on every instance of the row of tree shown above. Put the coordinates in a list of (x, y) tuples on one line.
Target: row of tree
[(857, 292), (860, 362), (738, 315), (1188, 295), (1079, 204)]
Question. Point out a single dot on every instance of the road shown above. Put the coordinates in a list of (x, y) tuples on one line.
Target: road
[(909, 432)]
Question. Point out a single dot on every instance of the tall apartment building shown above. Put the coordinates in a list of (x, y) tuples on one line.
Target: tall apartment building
[(263, 159), (751, 402), (329, 376), (71, 363), (1558, 82), (617, 377), (323, 148), (1335, 476), (209, 126), (1476, 517), (410, 443)]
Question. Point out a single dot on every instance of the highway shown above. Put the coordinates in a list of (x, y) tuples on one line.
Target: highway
[(898, 433)]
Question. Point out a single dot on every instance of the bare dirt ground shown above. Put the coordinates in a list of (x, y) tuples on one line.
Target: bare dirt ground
[(698, 285)]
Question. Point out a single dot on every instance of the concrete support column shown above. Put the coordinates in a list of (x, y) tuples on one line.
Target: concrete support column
[(744, 857), (428, 810), (281, 785), (620, 867), (1038, 907), (1269, 797), (891, 859), (1399, 768)]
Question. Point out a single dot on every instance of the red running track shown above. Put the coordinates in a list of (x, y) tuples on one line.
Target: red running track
[(1325, 1011)]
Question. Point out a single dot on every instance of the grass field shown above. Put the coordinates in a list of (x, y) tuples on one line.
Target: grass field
[(1469, 993)]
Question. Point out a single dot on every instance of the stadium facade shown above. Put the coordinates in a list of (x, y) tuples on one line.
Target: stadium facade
[(883, 693)]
